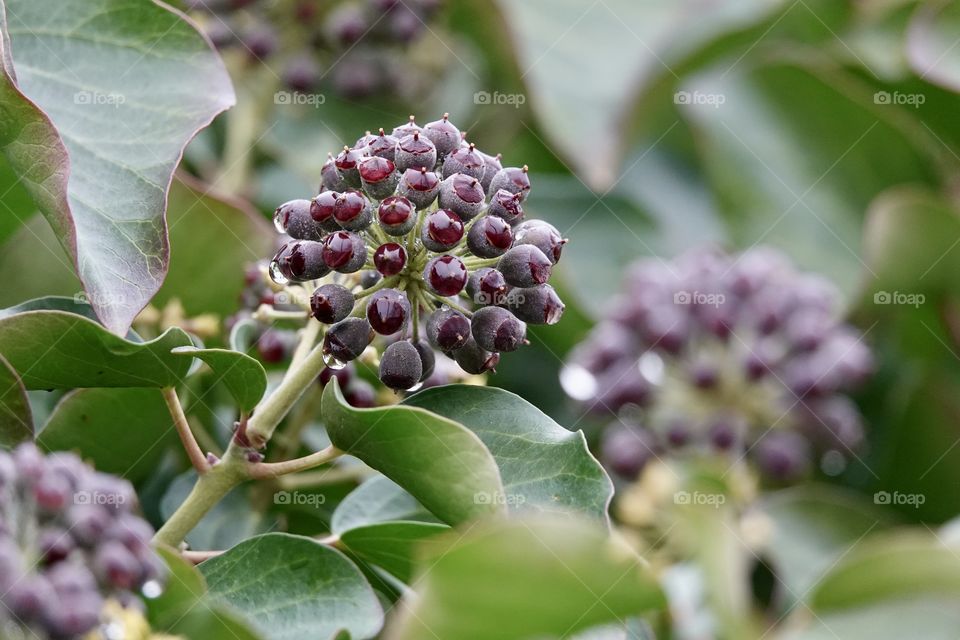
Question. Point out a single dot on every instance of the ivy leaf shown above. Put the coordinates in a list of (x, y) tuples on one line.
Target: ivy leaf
[(440, 462), (291, 587), (544, 467), (16, 419), (377, 500), (184, 588), (123, 431), (58, 350), (242, 375), (99, 157), (391, 545), (569, 574)]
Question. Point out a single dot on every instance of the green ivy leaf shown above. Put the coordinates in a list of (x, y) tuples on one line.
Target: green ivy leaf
[(243, 376), (123, 431), (544, 467), (16, 419), (100, 155), (440, 462), (569, 574), (183, 589), (58, 350), (377, 500), (291, 587), (212, 621), (391, 545)]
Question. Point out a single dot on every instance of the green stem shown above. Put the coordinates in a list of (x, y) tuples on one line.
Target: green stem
[(263, 470), (210, 489)]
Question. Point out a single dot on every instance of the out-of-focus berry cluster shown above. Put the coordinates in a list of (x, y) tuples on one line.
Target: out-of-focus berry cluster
[(420, 237), (362, 43), (70, 543), (712, 352)]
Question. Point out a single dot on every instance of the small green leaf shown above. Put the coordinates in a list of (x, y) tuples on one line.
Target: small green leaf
[(212, 621), (183, 588), (243, 335), (57, 350), (122, 431), (100, 156), (568, 573), (544, 467), (377, 500), (16, 419), (391, 545), (242, 375), (440, 462), (291, 588)]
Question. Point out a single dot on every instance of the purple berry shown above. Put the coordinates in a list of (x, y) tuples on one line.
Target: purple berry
[(448, 329), (352, 211), (490, 237), (378, 176), (513, 179), (465, 160), (506, 205), (415, 151), (535, 305), (390, 258), (442, 230), (462, 194), (331, 303), (443, 134), (347, 339), (344, 252), (542, 235), (419, 186), (496, 329), (525, 266), (486, 286), (387, 311), (294, 219), (400, 366), (445, 275), (474, 359), (396, 215)]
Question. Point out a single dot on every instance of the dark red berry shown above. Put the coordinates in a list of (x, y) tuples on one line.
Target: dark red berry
[(352, 211), (513, 179), (347, 161), (442, 230), (344, 252), (390, 258), (420, 186), (321, 210), (396, 215), (378, 176), (299, 261), (331, 303), (273, 346), (465, 160), (506, 205), (400, 366), (387, 311), (343, 376), (496, 329), (445, 275), (448, 329), (490, 237), (525, 266), (462, 194), (474, 359), (486, 286), (443, 134)]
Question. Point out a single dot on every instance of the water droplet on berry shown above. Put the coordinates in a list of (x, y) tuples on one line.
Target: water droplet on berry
[(280, 220), (151, 589), (276, 274), (415, 387), (333, 363)]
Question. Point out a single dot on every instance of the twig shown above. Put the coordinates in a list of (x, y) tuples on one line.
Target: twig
[(194, 453)]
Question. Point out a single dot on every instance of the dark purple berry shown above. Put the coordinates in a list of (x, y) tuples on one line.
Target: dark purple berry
[(52, 492), (295, 219), (387, 311), (347, 162), (465, 160), (475, 360), (322, 208), (274, 346), (415, 151), (390, 258), (535, 305), (352, 211), (396, 215), (492, 166), (448, 329), (419, 186), (496, 329), (525, 266), (462, 194), (428, 358), (513, 179), (360, 394), (383, 145), (260, 42), (408, 128), (343, 376), (542, 235), (400, 366), (490, 237), (344, 252), (369, 278), (443, 134), (442, 230), (302, 73), (28, 597), (783, 455), (331, 303), (378, 176), (347, 339), (331, 177), (486, 286), (346, 24), (445, 275), (301, 261), (626, 450), (506, 205), (116, 566)]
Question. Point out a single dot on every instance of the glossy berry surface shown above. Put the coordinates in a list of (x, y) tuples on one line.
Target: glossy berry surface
[(446, 275), (442, 230), (390, 258), (387, 311)]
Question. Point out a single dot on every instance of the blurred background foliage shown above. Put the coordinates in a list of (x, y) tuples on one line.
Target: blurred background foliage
[(826, 128)]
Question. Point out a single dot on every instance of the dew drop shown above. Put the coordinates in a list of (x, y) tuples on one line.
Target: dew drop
[(151, 589), (579, 383), (332, 362), (279, 221), (276, 274), (415, 387)]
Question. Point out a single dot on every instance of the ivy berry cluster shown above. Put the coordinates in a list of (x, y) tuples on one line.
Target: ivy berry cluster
[(724, 353), (426, 237), (69, 543)]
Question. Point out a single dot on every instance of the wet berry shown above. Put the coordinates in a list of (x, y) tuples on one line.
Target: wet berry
[(490, 237), (397, 215), (461, 194), (294, 218), (400, 366), (352, 211), (486, 286), (331, 303), (378, 176), (448, 329), (347, 162), (442, 230), (344, 252), (321, 210), (419, 186), (390, 258), (387, 311), (302, 261), (525, 266), (445, 275), (496, 329), (346, 340)]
